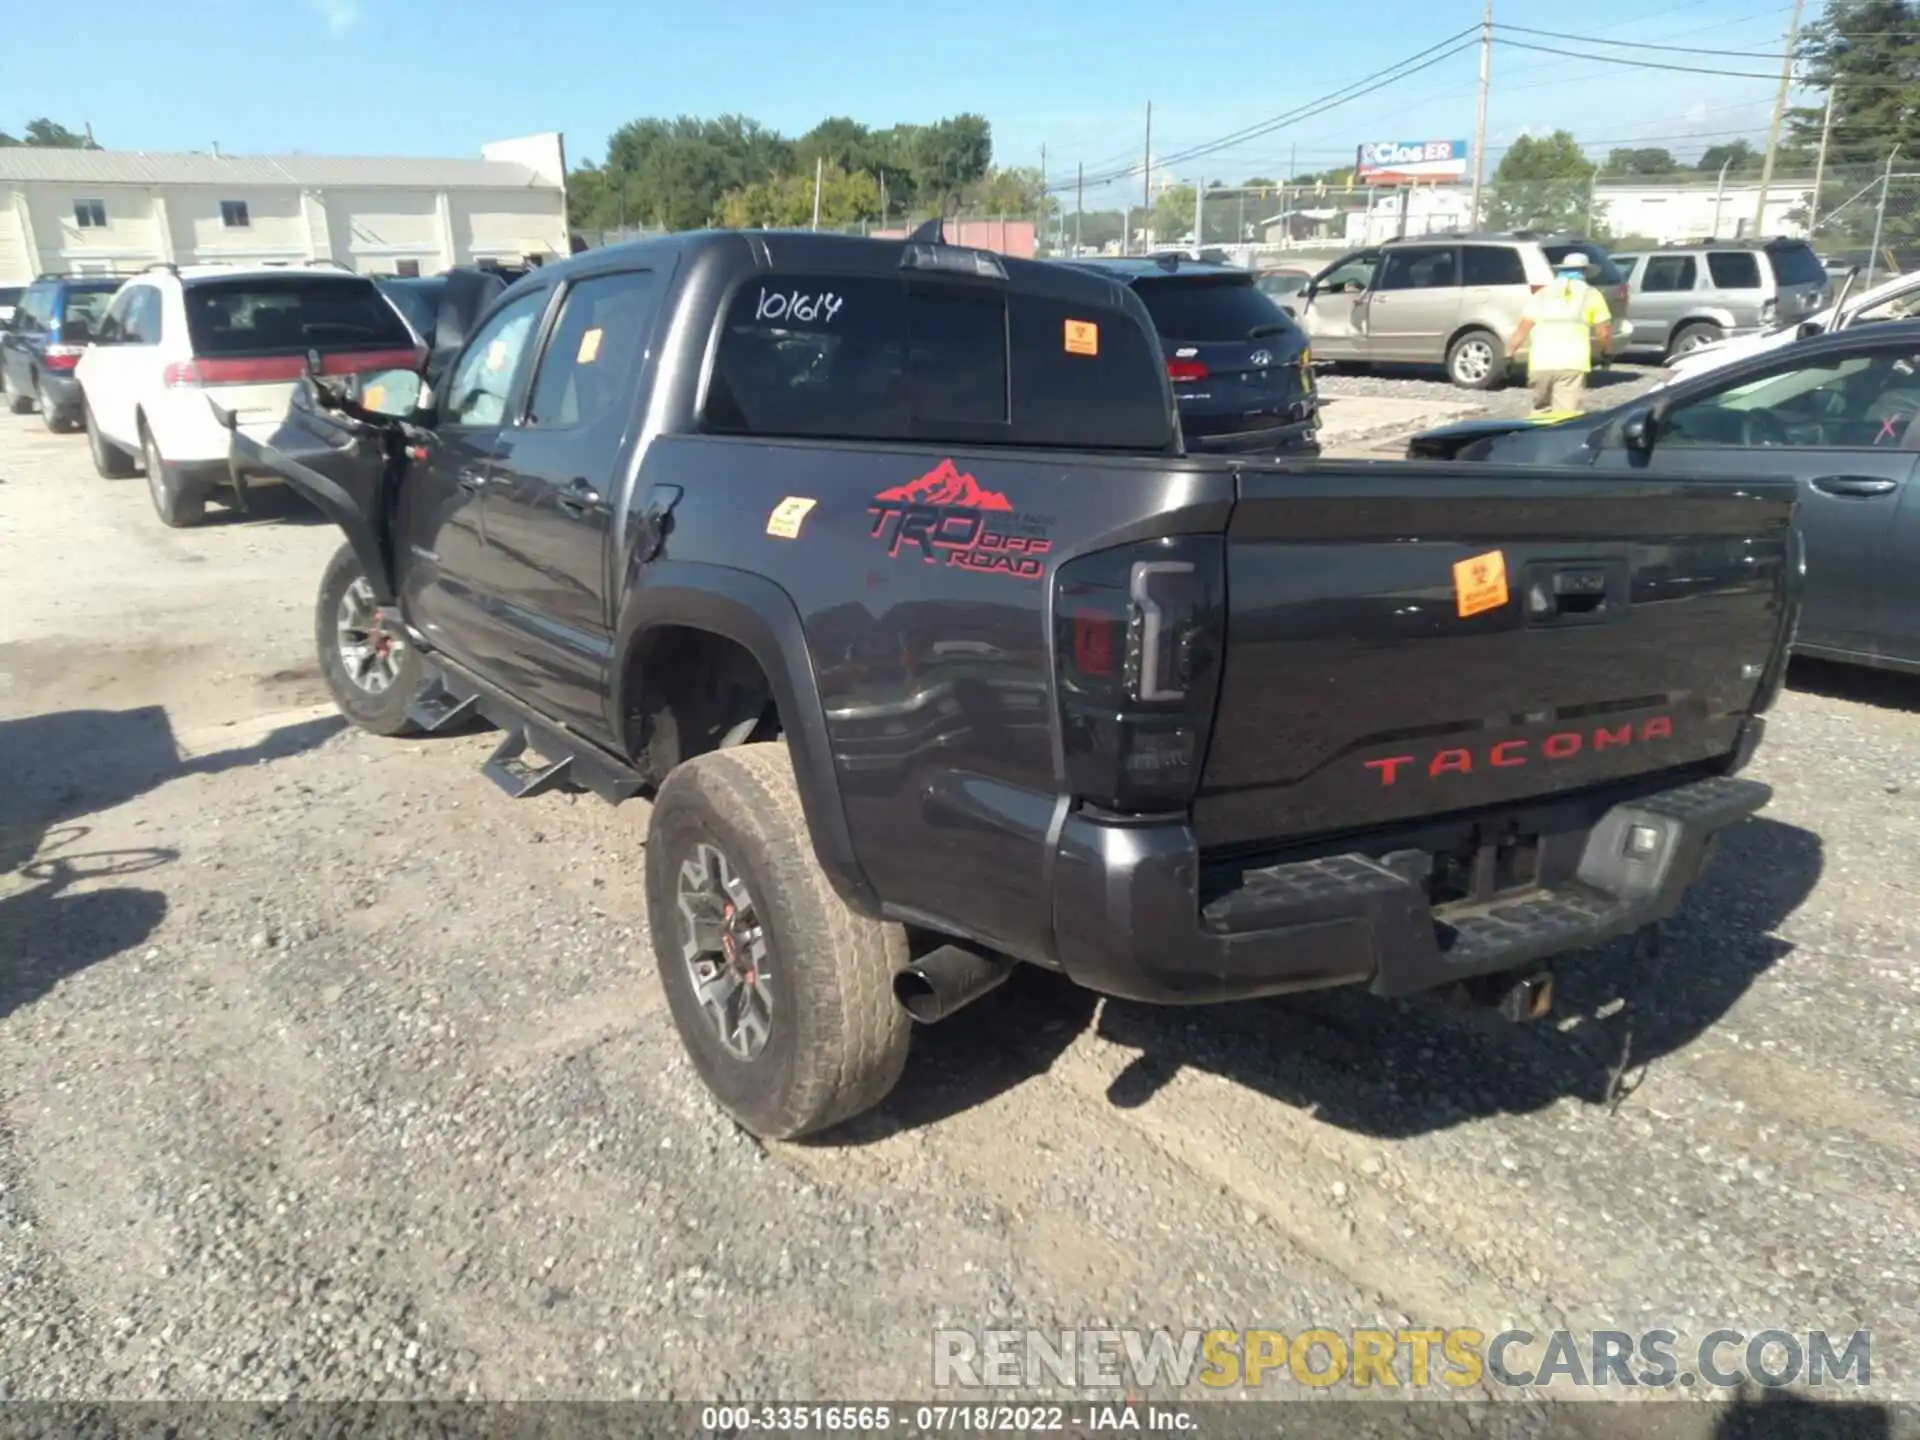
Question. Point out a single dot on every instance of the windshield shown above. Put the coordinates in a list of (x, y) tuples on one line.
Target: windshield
[(1600, 265), (1209, 310)]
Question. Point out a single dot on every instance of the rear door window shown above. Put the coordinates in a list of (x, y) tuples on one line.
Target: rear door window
[(1600, 267), (1667, 273), (1493, 265), (1420, 267), (1733, 269), (595, 350), (1210, 310), (863, 357), (86, 306), (269, 314), (143, 316)]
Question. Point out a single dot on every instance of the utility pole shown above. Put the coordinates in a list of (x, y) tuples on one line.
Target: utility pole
[(1146, 183), (883, 199), (1293, 157), (1820, 164), (819, 168), (1880, 218), (1779, 114), (1480, 115), (1719, 191), (1199, 213), (1079, 201), (1043, 192)]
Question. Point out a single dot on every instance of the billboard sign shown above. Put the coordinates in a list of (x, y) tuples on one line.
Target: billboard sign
[(1407, 162)]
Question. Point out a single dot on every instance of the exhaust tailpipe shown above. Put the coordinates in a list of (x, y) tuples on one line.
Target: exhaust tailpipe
[(947, 979)]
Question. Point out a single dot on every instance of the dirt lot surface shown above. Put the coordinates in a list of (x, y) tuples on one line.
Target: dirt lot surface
[(327, 1070)]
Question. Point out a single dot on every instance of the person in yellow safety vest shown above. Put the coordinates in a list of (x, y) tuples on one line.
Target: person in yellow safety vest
[(1563, 319)]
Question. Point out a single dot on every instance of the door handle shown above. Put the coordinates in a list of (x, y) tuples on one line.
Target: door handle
[(472, 481), (579, 497), (1855, 487)]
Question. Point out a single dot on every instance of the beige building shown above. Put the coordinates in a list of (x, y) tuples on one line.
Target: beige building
[(113, 211)]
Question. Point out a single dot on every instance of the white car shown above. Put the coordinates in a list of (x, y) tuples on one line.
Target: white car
[(1896, 299), (174, 338)]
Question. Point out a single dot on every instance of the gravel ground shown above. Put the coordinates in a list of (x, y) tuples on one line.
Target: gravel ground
[(1416, 399), (328, 1071)]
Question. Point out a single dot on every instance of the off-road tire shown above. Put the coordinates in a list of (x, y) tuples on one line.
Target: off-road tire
[(109, 459), (384, 713), (1475, 342), (178, 499), (1691, 337), (838, 1038)]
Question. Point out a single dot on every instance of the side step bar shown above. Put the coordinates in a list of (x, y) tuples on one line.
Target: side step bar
[(438, 709), (519, 779)]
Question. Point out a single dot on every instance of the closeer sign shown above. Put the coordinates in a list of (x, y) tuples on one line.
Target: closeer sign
[(1400, 160)]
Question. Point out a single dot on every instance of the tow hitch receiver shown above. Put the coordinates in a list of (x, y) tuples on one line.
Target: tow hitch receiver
[(1518, 998)]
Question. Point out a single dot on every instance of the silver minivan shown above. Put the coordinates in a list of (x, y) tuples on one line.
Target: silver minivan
[(1681, 297)]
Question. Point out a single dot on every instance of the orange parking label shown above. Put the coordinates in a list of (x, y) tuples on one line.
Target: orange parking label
[(1480, 583)]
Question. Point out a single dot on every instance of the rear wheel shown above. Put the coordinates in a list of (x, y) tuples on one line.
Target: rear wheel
[(178, 500), (1477, 361), (782, 995), (373, 677), (109, 459), (18, 403), (49, 416), (1689, 338)]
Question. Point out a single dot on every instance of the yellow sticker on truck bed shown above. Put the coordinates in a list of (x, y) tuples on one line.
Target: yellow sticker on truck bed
[(1480, 583)]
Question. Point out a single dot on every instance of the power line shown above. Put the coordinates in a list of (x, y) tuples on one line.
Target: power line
[(1642, 44), (1636, 64), (1352, 91)]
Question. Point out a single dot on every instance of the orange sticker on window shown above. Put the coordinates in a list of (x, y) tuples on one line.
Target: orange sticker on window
[(1083, 337), (1480, 583)]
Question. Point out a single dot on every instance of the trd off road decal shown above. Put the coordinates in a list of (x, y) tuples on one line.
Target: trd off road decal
[(946, 518)]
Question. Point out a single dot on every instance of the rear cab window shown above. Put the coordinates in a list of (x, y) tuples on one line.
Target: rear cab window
[(1210, 309), (291, 314), (86, 304), (935, 358)]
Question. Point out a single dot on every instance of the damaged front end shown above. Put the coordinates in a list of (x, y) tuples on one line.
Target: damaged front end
[(344, 444)]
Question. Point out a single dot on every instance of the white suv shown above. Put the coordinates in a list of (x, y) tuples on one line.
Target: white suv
[(173, 338)]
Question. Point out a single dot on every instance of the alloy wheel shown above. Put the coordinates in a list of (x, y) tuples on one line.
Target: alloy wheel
[(1473, 362), (724, 944), (370, 655)]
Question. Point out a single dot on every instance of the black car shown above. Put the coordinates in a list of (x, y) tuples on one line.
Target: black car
[(1240, 366), (417, 298), (42, 343), (1836, 412)]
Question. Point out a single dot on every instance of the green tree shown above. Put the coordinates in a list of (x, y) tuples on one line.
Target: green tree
[(46, 134), (786, 201), (1544, 182), (1648, 160), (1866, 55), (838, 141), (1172, 213), (1739, 157), (1258, 182)]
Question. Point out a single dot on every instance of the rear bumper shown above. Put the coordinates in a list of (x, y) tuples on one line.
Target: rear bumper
[(1135, 916), (1296, 437), (61, 392)]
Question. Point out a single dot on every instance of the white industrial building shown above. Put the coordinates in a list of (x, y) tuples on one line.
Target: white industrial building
[(113, 211)]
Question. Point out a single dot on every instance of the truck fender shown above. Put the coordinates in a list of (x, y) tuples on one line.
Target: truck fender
[(761, 618)]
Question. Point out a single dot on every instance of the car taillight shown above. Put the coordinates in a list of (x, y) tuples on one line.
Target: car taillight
[(278, 369), (1768, 309), (1178, 370), (1138, 636), (62, 357)]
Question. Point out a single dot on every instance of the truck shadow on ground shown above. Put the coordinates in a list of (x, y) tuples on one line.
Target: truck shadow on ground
[(72, 763), (1887, 689), (1400, 1068)]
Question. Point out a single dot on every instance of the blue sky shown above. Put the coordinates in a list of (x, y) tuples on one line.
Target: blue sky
[(425, 77)]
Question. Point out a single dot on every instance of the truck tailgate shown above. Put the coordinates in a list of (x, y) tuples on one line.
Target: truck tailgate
[(1422, 640)]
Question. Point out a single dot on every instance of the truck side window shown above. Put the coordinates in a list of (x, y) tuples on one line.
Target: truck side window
[(595, 349), (483, 376), (1668, 273)]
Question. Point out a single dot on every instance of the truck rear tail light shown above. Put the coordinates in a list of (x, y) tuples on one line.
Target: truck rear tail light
[(282, 369), (62, 357), (1768, 310), (1178, 370), (1138, 638)]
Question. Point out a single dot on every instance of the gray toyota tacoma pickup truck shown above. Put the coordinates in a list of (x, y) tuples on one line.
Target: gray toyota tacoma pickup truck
[(880, 567)]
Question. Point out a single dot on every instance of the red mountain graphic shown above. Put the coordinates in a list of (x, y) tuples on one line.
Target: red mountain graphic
[(946, 485)]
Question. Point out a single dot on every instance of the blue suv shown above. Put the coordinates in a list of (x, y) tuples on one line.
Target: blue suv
[(43, 341)]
